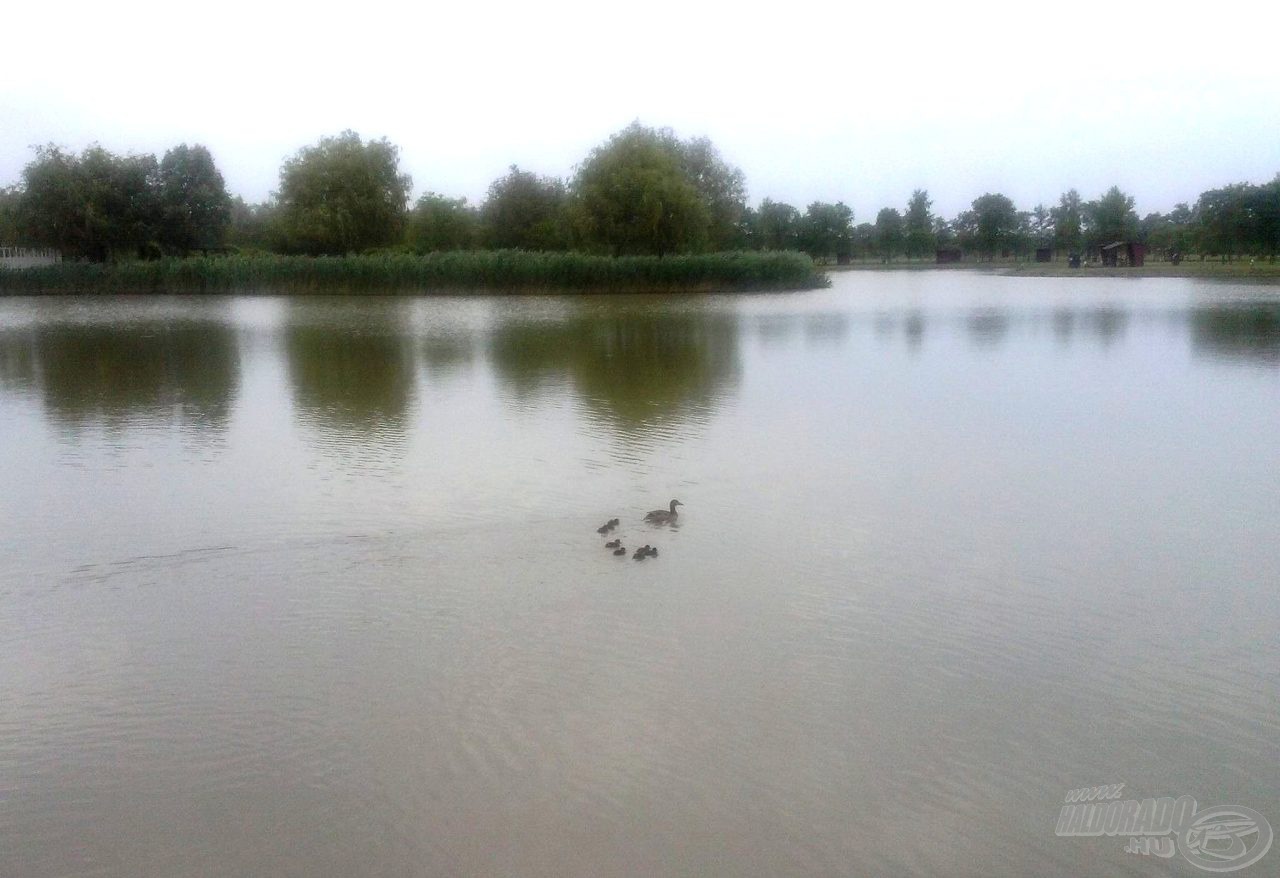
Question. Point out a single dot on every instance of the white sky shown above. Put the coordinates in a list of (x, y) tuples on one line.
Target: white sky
[(813, 100)]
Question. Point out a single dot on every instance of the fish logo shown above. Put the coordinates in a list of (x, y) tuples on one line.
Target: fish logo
[(1225, 839)]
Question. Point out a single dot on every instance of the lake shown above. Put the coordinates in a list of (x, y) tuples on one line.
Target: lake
[(312, 586)]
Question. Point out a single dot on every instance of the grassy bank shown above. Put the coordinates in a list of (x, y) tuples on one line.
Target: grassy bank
[(472, 271)]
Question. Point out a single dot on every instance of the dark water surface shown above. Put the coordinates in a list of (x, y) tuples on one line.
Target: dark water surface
[(312, 588)]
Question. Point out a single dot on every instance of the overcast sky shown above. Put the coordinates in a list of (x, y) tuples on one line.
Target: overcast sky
[(860, 102)]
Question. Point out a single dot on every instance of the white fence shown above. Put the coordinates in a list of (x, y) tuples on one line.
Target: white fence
[(25, 257)]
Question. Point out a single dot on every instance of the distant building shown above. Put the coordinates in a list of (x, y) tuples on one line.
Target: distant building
[(1127, 253), (949, 254)]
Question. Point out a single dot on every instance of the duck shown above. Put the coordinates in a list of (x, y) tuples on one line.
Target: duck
[(653, 551), (613, 544), (620, 550), (607, 526), (664, 516), (641, 553)]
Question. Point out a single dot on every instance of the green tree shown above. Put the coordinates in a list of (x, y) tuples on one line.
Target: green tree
[(96, 205), (1040, 226), (1068, 222), (920, 240), (864, 240), (777, 226), (633, 196), (1110, 218), (995, 224), (438, 222), (194, 204), (526, 212), (827, 230), (1224, 220), (254, 226), (9, 200), (889, 233), (721, 186), (343, 196)]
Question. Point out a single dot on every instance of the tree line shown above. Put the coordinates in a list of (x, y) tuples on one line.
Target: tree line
[(645, 191)]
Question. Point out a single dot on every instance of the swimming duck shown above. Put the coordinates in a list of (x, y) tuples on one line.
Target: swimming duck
[(613, 544), (620, 550), (653, 551), (641, 553), (664, 516)]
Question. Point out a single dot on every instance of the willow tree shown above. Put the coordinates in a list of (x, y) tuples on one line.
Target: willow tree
[(647, 191), (343, 196)]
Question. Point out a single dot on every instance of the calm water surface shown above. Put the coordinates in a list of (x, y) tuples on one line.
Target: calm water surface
[(312, 587)]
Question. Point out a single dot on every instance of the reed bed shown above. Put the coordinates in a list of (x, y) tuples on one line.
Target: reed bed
[(486, 271)]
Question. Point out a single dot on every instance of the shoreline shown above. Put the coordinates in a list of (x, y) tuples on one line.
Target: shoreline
[(1258, 272)]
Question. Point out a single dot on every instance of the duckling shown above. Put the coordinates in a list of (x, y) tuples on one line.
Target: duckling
[(612, 523), (620, 550), (641, 553), (613, 544), (664, 516), (653, 551)]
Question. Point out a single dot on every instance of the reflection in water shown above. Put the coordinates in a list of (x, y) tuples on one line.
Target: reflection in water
[(183, 373), (448, 355), (913, 329), (828, 328), (17, 361), (1240, 332), (351, 365), (988, 327), (630, 369)]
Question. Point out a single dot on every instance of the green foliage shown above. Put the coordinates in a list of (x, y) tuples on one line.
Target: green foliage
[(526, 212), (253, 227), (827, 230), (1239, 219), (195, 208), (920, 237), (1068, 222), (646, 191), (994, 224), (1110, 218), (9, 233), (343, 196), (889, 233), (96, 205), (487, 271), (722, 187), (777, 226), (441, 223)]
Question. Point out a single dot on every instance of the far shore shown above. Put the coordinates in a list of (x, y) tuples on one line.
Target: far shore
[(1260, 270)]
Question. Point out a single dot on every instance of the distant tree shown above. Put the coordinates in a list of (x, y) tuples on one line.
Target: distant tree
[(889, 233), (721, 186), (194, 204), (995, 224), (777, 226), (944, 234), (1068, 222), (920, 240), (826, 230), (254, 226), (96, 205), (438, 222), (1265, 201), (526, 212), (1224, 220), (1040, 226), (343, 196), (864, 241), (9, 200), (633, 196), (1110, 218)]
